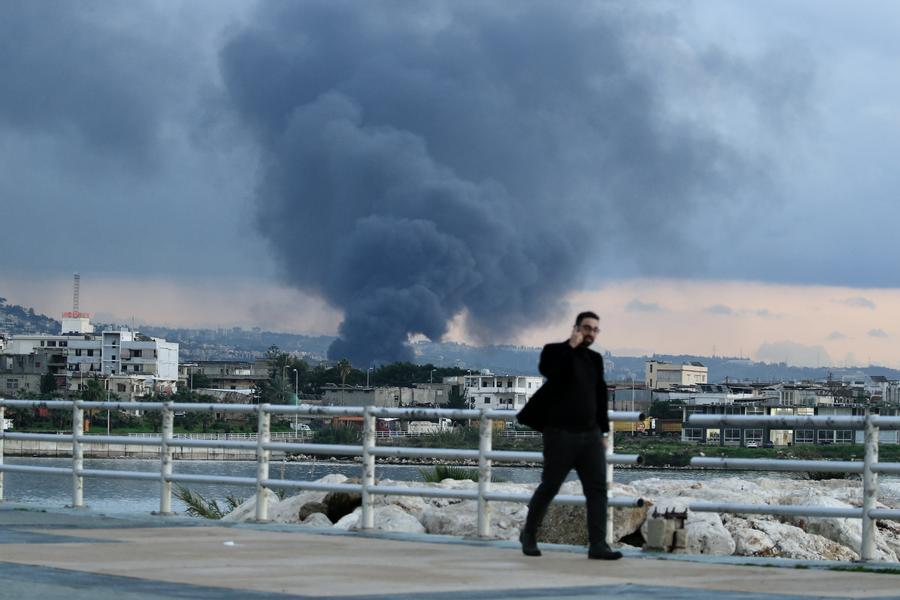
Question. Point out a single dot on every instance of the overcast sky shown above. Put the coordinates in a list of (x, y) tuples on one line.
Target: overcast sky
[(295, 156)]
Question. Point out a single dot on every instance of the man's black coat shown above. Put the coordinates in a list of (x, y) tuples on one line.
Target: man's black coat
[(556, 365)]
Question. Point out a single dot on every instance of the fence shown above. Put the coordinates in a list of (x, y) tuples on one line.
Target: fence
[(264, 445), (869, 468)]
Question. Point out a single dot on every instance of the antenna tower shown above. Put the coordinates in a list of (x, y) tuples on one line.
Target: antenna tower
[(76, 288)]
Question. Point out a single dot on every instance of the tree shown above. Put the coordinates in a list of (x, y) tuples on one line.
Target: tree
[(48, 383), (279, 386), (344, 368)]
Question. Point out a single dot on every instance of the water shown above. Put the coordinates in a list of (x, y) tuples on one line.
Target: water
[(125, 496)]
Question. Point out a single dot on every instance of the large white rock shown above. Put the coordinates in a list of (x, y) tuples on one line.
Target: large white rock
[(246, 511), (386, 518), (764, 536), (705, 532), (316, 520), (288, 510)]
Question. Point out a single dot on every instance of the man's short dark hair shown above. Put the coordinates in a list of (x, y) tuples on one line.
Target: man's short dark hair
[(586, 315)]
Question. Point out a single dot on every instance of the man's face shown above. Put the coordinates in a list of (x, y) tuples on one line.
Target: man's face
[(589, 329)]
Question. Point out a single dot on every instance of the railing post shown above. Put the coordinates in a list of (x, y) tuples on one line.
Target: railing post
[(368, 475), (485, 427), (77, 455), (264, 422), (2, 431), (609, 479), (165, 460), (870, 492)]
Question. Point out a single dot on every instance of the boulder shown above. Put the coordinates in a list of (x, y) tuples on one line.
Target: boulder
[(385, 518), (246, 511), (340, 504), (706, 534), (764, 536), (316, 519), (294, 509)]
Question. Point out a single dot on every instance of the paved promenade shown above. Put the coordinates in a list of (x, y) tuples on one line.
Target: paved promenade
[(75, 555)]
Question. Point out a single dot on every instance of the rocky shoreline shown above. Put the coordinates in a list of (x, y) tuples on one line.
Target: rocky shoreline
[(707, 533)]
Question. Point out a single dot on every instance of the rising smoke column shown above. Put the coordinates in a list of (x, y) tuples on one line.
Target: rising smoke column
[(420, 160)]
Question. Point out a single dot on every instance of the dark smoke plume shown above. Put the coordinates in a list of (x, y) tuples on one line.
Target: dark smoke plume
[(421, 160)]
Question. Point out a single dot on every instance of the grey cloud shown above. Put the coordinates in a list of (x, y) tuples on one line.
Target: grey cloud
[(859, 302), (877, 333), (106, 124), (444, 159), (72, 71), (719, 309), (637, 306), (836, 336)]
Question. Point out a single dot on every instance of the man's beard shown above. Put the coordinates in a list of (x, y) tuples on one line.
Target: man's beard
[(585, 342)]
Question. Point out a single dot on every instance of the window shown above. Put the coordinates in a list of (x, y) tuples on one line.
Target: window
[(487, 400), (693, 435), (804, 436), (120, 387), (90, 352), (509, 383), (78, 352), (825, 436), (12, 384), (732, 435), (753, 435), (844, 436), (63, 344), (51, 343)]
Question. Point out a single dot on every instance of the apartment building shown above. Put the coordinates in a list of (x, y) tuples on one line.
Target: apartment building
[(659, 375), (500, 392), (131, 364)]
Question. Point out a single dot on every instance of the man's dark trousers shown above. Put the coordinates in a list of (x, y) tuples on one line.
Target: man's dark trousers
[(563, 451)]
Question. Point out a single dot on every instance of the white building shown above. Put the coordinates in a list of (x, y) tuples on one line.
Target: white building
[(660, 375), (501, 392), (133, 364)]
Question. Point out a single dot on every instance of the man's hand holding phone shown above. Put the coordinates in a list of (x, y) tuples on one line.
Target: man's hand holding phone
[(576, 338)]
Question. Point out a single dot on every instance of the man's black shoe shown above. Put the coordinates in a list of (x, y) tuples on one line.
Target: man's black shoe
[(603, 552), (529, 544)]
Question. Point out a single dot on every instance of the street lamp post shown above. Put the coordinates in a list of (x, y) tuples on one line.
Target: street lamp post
[(367, 375), (631, 377), (431, 376), (296, 394)]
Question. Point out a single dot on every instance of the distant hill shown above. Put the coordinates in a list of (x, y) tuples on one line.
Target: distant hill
[(15, 319), (248, 344)]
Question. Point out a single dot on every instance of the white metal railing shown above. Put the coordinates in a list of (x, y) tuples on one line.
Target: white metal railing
[(264, 444), (869, 468), (275, 435)]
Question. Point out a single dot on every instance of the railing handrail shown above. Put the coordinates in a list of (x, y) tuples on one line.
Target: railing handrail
[(264, 442), (869, 467), (795, 421)]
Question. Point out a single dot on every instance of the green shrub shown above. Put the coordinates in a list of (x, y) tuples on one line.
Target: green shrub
[(337, 434), (439, 473)]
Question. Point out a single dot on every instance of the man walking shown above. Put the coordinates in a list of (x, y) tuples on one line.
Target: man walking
[(571, 410)]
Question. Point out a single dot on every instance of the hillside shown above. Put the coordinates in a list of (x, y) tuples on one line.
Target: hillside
[(247, 344), (15, 319)]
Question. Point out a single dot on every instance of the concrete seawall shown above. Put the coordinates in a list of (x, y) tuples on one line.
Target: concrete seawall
[(64, 449)]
